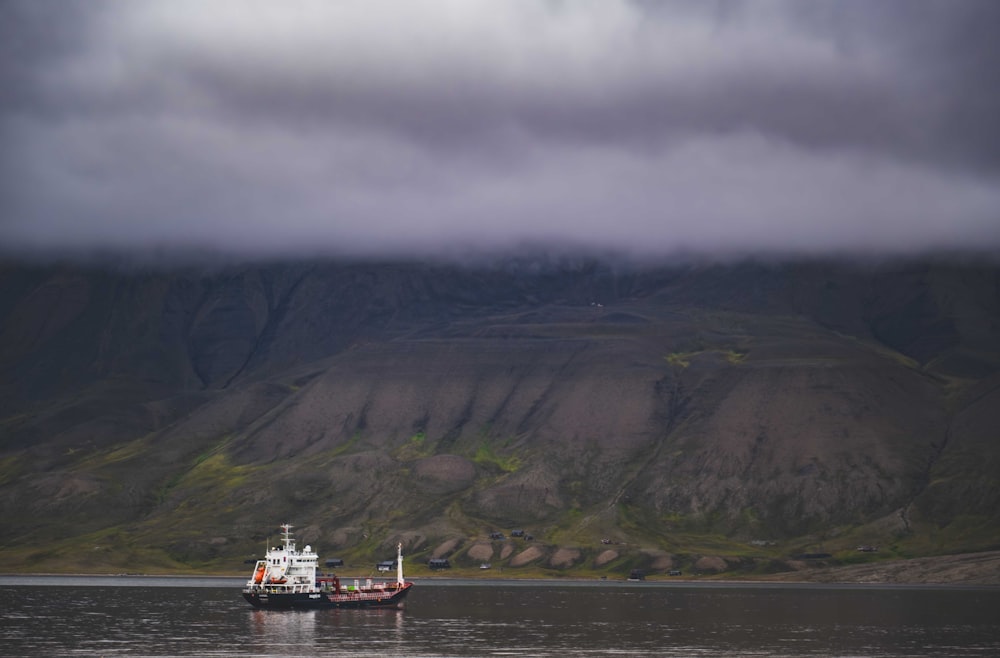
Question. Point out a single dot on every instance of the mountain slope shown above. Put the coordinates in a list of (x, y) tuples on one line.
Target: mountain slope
[(748, 411)]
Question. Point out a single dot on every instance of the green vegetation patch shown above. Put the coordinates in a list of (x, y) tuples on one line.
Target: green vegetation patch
[(133, 450), (11, 467), (416, 447), (680, 359), (683, 359), (965, 533), (211, 471), (217, 471), (347, 446), (734, 357), (486, 456)]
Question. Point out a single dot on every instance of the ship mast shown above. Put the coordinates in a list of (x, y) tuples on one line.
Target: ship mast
[(399, 564)]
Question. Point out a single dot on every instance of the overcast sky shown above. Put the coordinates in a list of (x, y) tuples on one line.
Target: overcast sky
[(419, 126)]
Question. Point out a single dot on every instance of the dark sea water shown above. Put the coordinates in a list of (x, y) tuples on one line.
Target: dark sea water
[(135, 616)]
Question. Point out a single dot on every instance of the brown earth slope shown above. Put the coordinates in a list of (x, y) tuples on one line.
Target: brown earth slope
[(743, 413)]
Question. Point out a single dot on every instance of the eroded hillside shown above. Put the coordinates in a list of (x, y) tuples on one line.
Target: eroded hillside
[(712, 417)]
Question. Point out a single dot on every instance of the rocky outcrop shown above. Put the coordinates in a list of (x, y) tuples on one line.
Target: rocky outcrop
[(710, 564), (605, 556), (481, 552), (564, 557), (527, 556)]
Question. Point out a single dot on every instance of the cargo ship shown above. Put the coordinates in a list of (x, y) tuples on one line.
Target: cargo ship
[(287, 578)]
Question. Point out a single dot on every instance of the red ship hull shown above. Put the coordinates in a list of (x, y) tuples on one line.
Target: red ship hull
[(390, 597)]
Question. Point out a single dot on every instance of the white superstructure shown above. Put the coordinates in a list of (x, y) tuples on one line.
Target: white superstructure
[(284, 568)]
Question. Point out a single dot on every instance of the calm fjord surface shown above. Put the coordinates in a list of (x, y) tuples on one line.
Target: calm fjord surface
[(206, 617)]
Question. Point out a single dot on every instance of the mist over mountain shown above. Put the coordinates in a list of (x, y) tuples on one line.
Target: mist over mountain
[(376, 127), (715, 416)]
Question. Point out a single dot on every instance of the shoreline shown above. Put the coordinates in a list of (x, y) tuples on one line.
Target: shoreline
[(8, 580), (980, 569)]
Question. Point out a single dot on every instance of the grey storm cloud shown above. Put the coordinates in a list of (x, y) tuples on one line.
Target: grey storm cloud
[(400, 127)]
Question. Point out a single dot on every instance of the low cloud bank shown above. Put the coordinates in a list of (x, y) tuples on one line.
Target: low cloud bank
[(381, 128)]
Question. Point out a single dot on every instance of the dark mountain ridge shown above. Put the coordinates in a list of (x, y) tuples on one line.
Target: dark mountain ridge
[(717, 416)]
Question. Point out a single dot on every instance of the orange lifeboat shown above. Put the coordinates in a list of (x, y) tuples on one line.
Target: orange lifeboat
[(258, 576)]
